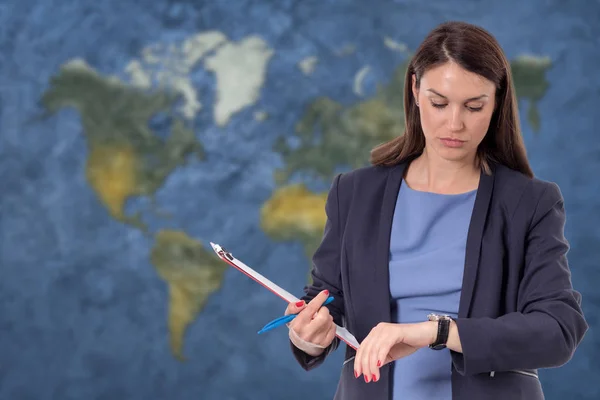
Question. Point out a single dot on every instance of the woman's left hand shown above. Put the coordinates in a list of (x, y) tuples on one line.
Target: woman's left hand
[(389, 342)]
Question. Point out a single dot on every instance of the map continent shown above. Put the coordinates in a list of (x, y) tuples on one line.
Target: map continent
[(192, 273), (126, 158), (141, 130)]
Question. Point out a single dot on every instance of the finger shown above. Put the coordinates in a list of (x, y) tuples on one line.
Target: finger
[(313, 306), (327, 336), (319, 327), (357, 356), (357, 370), (378, 355), (322, 317), (358, 359), (295, 308), (382, 357), (370, 362), (331, 334), (364, 362)]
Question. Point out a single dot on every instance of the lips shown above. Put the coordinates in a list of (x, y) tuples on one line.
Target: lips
[(452, 139), (450, 142)]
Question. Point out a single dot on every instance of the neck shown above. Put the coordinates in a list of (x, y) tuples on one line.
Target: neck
[(432, 173)]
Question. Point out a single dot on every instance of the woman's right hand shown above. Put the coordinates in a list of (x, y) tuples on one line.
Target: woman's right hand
[(313, 325)]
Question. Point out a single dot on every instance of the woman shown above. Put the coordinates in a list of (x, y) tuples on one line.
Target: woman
[(446, 257)]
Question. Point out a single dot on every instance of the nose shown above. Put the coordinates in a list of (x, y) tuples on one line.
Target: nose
[(456, 119)]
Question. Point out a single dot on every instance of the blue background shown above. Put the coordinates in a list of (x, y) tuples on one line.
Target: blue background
[(82, 311)]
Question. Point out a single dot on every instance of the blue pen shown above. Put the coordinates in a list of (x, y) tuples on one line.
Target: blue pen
[(285, 319)]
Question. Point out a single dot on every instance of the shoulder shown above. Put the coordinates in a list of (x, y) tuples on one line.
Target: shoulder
[(516, 191), (363, 178), (363, 185), (511, 183)]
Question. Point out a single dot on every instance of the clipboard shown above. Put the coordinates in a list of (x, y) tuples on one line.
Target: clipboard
[(341, 332)]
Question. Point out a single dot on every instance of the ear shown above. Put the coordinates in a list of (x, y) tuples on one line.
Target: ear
[(415, 91)]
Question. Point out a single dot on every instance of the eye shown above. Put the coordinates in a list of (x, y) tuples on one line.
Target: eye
[(470, 108), (475, 109)]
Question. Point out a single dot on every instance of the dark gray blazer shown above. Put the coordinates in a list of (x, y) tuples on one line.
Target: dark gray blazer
[(518, 311)]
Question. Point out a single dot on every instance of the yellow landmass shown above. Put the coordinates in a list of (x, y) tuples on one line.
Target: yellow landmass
[(295, 213), (112, 172), (192, 274), (294, 210)]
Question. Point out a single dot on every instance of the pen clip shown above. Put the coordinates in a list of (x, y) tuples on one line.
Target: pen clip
[(226, 253)]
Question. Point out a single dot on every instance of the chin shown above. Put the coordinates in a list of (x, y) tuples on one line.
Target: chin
[(449, 154)]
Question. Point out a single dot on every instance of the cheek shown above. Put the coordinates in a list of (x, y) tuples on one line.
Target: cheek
[(478, 126), (431, 120)]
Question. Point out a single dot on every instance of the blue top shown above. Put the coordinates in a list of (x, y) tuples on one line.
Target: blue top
[(427, 256)]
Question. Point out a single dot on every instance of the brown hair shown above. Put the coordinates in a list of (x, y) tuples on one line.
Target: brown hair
[(475, 50)]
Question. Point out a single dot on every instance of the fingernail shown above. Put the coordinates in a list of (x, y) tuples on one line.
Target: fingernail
[(355, 374), (300, 303), (326, 292), (366, 379), (374, 378), (379, 363)]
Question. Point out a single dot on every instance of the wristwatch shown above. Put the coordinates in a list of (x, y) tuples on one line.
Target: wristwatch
[(442, 332)]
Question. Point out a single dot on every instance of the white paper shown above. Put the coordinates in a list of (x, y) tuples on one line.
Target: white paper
[(340, 332)]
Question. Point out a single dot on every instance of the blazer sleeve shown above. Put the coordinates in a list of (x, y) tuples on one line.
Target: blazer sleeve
[(326, 275), (549, 324)]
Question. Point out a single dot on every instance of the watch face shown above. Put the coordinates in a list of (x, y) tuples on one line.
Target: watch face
[(433, 317), (437, 317)]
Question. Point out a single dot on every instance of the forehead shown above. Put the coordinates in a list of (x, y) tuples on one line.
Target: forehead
[(452, 80)]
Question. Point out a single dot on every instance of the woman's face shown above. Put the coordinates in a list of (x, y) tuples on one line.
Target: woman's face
[(456, 107)]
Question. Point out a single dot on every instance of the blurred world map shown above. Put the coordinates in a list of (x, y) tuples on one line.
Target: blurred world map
[(132, 135)]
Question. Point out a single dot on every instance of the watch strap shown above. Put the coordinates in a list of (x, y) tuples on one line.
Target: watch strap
[(442, 331)]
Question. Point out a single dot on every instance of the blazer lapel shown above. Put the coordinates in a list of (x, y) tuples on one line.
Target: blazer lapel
[(382, 273), (473, 248)]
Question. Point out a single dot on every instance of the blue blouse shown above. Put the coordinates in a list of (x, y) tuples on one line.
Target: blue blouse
[(427, 256)]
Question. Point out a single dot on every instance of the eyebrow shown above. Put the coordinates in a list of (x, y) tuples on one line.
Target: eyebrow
[(471, 99)]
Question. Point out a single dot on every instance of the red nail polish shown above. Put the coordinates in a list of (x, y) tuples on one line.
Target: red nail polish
[(355, 374), (300, 303), (366, 379), (326, 292), (374, 378), (379, 363)]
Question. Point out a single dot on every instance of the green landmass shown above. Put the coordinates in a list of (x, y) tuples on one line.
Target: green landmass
[(331, 135), (529, 75), (192, 274), (126, 158)]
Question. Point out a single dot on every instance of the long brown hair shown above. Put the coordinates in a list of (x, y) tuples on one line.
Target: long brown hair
[(477, 51)]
